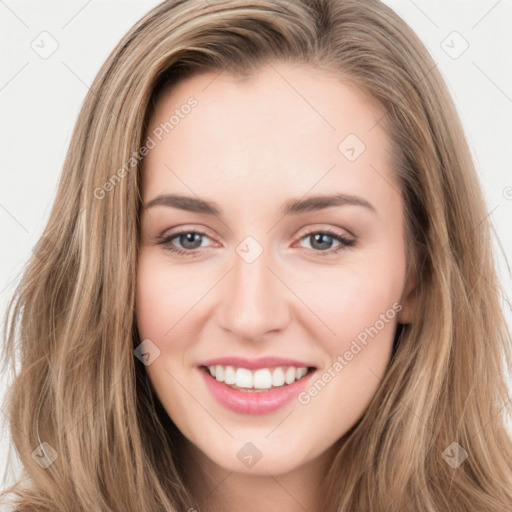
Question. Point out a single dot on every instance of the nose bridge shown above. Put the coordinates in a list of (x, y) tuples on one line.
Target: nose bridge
[(255, 301)]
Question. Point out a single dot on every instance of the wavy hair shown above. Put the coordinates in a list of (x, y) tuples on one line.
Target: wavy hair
[(70, 325)]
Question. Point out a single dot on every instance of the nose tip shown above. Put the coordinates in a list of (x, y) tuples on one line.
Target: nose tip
[(254, 301)]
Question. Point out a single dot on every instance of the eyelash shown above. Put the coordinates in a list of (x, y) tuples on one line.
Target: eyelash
[(168, 246)]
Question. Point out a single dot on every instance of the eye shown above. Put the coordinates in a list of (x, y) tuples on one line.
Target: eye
[(322, 241), (190, 240)]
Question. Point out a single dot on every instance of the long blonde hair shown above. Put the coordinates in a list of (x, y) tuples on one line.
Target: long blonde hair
[(71, 322)]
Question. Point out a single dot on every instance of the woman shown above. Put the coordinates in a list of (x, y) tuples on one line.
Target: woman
[(267, 279)]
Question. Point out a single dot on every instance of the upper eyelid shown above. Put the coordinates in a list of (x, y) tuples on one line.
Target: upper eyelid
[(182, 231), (314, 228)]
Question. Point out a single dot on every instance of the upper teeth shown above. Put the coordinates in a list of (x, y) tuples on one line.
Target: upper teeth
[(263, 378)]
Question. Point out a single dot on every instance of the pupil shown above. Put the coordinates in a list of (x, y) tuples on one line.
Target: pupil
[(318, 238), (189, 239)]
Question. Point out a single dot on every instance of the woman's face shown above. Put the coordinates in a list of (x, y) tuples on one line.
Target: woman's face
[(298, 265)]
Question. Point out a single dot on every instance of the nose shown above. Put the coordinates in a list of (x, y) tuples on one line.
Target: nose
[(254, 301)]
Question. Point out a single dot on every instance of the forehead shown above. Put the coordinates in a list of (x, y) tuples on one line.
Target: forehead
[(286, 124)]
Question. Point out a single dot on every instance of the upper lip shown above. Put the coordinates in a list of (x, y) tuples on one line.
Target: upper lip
[(261, 362)]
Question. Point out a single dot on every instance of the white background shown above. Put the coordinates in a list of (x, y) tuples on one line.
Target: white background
[(40, 100)]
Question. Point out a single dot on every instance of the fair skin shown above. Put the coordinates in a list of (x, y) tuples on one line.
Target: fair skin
[(251, 146)]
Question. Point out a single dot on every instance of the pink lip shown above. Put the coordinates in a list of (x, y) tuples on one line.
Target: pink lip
[(253, 402), (253, 364)]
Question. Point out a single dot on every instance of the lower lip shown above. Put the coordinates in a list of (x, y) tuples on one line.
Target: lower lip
[(254, 402)]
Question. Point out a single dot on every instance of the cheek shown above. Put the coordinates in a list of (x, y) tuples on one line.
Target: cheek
[(153, 299), (361, 307), (352, 301), (163, 299)]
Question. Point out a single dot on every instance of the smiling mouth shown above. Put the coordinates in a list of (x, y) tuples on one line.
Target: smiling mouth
[(260, 380)]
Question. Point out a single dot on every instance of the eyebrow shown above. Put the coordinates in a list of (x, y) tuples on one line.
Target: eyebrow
[(291, 207)]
